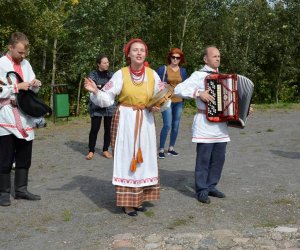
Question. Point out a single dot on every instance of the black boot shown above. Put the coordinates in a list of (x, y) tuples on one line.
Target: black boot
[(5, 190), (21, 182)]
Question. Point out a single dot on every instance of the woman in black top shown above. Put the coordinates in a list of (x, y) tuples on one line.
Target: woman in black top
[(100, 76)]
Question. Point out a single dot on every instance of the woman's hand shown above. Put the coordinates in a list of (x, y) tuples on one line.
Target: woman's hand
[(162, 85), (90, 85), (154, 109)]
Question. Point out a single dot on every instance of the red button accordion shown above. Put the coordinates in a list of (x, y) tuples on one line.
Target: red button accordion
[(232, 94)]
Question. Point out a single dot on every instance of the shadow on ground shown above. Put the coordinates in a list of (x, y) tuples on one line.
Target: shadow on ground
[(180, 180), (78, 146), (100, 192), (81, 147), (290, 155)]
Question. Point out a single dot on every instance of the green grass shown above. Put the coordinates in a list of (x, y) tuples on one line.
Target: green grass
[(46, 218), (180, 222), (40, 138), (267, 224), (277, 106), (276, 222), (279, 189), (67, 215), (149, 213), (284, 201), (189, 110), (270, 130)]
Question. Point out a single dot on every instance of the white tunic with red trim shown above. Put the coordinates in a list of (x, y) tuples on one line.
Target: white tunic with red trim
[(146, 173), (203, 130), (7, 119)]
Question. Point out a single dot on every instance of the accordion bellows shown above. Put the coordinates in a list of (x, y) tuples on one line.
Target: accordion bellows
[(245, 88), (232, 95)]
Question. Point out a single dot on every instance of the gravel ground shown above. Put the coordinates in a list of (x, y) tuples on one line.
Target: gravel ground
[(261, 179)]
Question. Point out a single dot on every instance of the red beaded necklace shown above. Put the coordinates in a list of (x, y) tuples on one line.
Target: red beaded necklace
[(137, 72), (137, 76)]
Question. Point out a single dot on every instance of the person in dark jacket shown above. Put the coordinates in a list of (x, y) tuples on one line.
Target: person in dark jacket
[(100, 76)]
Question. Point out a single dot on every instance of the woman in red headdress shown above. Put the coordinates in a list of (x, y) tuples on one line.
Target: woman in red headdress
[(133, 134)]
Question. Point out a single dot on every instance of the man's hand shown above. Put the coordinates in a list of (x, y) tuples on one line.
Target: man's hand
[(205, 96), (90, 85), (251, 109), (35, 83), (23, 85)]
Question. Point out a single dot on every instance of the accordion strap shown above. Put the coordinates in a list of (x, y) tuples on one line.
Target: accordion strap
[(19, 78), (165, 72), (202, 111), (209, 72)]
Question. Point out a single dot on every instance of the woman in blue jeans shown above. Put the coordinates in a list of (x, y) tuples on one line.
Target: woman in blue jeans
[(172, 74)]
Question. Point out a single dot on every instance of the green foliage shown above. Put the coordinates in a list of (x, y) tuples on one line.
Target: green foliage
[(255, 40), (84, 103)]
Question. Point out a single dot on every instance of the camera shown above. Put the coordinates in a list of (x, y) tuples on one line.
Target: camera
[(40, 122)]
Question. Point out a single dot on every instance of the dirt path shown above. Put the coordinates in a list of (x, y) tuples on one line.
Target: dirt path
[(261, 179)]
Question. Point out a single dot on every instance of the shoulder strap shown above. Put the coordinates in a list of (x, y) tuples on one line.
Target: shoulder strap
[(14, 73), (209, 72), (164, 75)]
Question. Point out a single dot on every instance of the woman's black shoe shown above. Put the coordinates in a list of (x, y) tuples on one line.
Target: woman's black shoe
[(132, 213), (140, 209)]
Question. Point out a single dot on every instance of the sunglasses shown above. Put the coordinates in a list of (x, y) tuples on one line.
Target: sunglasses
[(176, 57)]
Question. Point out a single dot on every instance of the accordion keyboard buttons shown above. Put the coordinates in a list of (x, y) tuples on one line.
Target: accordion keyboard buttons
[(214, 107)]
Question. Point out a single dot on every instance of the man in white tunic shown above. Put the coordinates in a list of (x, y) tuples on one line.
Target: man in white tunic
[(16, 128), (211, 138)]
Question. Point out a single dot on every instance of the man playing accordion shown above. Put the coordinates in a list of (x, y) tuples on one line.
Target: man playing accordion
[(211, 137)]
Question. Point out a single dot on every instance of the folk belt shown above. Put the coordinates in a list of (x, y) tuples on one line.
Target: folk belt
[(137, 158)]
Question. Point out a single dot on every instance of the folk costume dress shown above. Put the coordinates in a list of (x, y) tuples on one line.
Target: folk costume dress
[(133, 136)]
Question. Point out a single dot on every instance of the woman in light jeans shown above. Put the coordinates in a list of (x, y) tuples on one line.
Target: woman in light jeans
[(172, 74)]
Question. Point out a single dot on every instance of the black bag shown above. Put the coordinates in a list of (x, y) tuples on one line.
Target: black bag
[(28, 101)]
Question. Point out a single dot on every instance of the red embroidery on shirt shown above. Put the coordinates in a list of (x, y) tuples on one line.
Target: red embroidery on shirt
[(108, 86), (5, 125)]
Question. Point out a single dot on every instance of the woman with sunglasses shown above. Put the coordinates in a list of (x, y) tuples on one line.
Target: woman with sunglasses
[(172, 74)]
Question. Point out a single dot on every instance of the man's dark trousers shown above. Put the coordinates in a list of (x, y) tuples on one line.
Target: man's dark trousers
[(209, 164)]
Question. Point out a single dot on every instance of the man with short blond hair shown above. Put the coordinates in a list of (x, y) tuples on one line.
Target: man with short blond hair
[(16, 128)]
